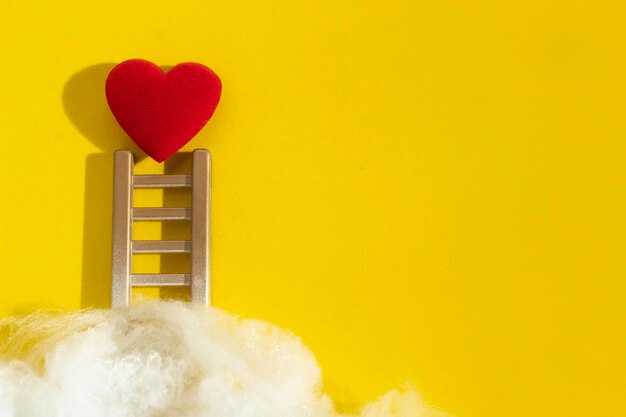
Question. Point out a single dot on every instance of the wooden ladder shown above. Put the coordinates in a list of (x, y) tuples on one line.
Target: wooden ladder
[(124, 214)]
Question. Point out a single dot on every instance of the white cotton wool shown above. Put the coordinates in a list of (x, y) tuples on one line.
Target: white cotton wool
[(165, 359)]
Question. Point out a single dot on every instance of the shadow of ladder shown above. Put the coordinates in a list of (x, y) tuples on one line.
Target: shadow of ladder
[(124, 181)]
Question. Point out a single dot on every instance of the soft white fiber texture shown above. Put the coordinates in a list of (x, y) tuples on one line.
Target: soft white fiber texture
[(166, 359)]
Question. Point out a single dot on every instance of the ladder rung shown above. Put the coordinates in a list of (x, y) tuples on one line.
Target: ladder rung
[(161, 246), (160, 280), (161, 213), (161, 181)]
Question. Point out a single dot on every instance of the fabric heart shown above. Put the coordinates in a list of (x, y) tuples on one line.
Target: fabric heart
[(161, 111)]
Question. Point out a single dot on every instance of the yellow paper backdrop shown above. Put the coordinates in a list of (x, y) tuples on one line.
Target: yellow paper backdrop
[(424, 191)]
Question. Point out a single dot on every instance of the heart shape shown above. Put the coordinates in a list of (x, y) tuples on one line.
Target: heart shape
[(161, 111)]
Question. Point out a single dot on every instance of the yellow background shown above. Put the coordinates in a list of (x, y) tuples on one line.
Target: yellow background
[(424, 191)]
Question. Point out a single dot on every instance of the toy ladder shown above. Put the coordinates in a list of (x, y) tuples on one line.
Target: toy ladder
[(124, 181)]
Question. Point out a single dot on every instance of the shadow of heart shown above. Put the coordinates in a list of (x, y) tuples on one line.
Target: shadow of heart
[(86, 106)]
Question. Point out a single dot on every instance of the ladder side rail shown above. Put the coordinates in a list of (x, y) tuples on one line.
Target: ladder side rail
[(122, 228), (200, 227)]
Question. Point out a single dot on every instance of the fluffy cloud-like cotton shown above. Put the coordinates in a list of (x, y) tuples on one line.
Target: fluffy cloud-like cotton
[(166, 360)]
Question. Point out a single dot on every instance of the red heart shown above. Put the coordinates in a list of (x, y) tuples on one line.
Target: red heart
[(161, 111)]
